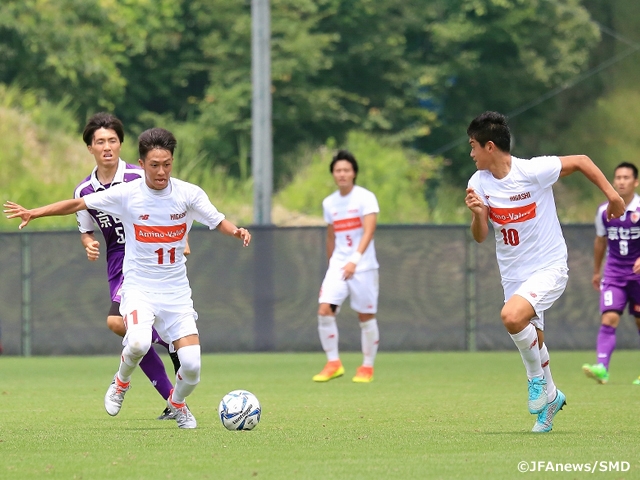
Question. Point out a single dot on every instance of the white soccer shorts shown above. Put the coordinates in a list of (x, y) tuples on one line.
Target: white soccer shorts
[(172, 314), (362, 288), (541, 290)]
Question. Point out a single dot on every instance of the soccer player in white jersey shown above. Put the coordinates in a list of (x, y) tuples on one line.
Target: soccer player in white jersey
[(103, 134), (515, 195), (157, 212), (351, 214)]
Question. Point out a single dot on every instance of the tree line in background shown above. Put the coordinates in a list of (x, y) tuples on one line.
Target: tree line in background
[(415, 70)]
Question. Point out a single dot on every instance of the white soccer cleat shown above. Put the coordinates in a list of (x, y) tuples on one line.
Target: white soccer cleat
[(115, 396), (181, 413)]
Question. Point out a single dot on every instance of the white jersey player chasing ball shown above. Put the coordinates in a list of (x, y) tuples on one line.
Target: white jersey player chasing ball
[(157, 212)]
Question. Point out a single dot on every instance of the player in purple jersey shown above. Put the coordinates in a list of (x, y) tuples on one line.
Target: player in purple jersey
[(619, 239), (104, 135)]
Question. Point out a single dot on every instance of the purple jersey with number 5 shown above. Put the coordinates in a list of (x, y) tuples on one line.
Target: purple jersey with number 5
[(623, 240), (111, 227)]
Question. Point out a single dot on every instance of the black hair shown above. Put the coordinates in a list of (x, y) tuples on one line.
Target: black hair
[(102, 120), (491, 127), (348, 156), (156, 138), (633, 168)]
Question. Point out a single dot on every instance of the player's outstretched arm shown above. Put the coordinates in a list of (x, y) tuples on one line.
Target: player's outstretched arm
[(228, 228), (64, 207), (582, 163)]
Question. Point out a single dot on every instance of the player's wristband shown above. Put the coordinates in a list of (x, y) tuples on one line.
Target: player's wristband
[(355, 258)]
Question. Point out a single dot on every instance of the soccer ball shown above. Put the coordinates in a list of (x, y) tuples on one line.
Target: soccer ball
[(239, 410)]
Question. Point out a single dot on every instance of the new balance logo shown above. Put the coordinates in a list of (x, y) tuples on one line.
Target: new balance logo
[(143, 217)]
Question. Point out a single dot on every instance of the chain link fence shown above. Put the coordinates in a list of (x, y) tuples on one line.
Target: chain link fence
[(439, 290)]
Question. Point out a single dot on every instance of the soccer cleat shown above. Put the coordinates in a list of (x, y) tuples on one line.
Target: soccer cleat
[(181, 413), (545, 417), (537, 394), (167, 414), (636, 381), (115, 396), (331, 370), (363, 375), (597, 371)]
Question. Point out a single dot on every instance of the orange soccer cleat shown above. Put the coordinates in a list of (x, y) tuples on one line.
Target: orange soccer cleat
[(364, 375), (333, 369)]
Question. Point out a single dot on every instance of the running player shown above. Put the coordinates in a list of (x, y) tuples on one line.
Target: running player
[(516, 196), (103, 135), (351, 213), (619, 239), (157, 213)]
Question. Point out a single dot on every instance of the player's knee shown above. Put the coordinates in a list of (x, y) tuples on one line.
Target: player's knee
[(139, 342), (190, 363), (511, 320), (327, 309)]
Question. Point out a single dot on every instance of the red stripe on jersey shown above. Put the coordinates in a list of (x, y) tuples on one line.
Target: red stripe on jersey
[(347, 224), (503, 216), (160, 234)]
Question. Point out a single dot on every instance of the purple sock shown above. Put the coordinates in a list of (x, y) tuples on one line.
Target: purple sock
[(155, 338), (606, 344), (153, 368)]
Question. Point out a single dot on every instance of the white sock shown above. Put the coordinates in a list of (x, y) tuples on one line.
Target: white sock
[(370, 337), (328, 331), (137, 345), (188, 375), (527, 343), (544, 361)]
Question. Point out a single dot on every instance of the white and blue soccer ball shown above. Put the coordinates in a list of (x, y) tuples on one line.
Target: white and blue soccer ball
[(239, 410)]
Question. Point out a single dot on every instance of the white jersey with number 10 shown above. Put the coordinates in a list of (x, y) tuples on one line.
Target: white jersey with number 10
[(523, 213)]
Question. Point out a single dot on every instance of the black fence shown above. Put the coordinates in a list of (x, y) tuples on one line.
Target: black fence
[(439, 290)]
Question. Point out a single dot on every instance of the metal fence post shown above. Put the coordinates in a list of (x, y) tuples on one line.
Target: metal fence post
[(25, 249), (471, 323)]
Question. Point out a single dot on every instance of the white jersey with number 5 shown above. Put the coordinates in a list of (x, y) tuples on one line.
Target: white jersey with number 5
[(523, 213), (156, 224), (346, 214)]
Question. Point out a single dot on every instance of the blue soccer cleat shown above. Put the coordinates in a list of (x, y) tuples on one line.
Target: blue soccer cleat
[(537, 394), (545, 417)]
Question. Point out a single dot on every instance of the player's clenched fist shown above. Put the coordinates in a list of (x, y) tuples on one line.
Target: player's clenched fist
[(473, 200)]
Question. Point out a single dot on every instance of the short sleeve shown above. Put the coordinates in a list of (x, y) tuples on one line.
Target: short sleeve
[(85, 221), (370, 204), (601, 231), (546, 170), (325, 212), (203, 210)]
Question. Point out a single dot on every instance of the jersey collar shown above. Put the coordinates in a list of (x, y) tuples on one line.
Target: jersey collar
[(117, 178), (634, 204)]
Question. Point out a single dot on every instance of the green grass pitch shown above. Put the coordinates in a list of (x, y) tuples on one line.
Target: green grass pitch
[(426, 415)]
